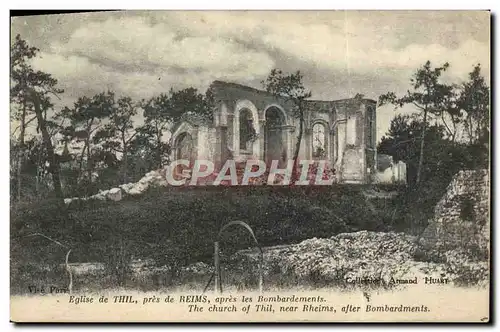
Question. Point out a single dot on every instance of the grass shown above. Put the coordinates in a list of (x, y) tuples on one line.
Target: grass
[(177, 227)]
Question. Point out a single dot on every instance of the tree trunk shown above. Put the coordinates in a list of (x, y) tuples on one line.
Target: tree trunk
[(448, 130), (125, 159), (89, 166), (20, 156), (39, 162), (158, 148), (125, 166), (80, 164), (87, 147), (454, 129), (421, 158), (54, 163), (471, 131)]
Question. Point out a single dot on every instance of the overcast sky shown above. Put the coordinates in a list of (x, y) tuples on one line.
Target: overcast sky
[(142, 54)]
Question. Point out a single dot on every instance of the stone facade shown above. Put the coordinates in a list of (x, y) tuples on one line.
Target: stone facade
[(251, 124)]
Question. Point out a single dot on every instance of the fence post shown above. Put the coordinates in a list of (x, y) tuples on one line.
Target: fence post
[(68, 269)]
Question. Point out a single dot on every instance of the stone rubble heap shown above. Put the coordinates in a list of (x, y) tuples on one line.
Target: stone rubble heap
[(455, 245), (348, 255), (361, 255), (151, 179)]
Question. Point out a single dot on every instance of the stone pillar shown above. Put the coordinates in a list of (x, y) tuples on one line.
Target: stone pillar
[(341, 137), (223, 144), (218, 148), (230, 134), (330, 145), (362, 128), (220, 153), (236, 132), (307, 138), (195, 153), (262, 140), (289, 142)]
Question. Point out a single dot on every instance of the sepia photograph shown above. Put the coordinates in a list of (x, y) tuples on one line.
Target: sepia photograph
[(250, 166)]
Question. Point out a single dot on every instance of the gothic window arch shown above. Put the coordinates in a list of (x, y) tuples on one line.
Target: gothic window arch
[(246, 129), (184, 146), (319, 140)]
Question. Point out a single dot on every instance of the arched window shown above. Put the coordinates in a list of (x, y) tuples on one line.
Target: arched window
[(275, 142), (184, 145), (318, 140), (247, 130)]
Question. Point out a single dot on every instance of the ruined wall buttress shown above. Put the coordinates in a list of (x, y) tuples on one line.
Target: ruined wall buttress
[(461, 218), (352, 151)]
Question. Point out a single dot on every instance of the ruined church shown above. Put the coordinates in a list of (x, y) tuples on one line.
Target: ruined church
[(250, 124)]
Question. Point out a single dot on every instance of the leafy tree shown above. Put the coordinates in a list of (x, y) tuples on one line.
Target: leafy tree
[(157, 120), (402, 142), (86, 123), (474, 99), (291, 88), (189, 102), (33, 168), (31, 91), (429, 96), (161, 113), (120, 132), (21, 54), (444, 158)]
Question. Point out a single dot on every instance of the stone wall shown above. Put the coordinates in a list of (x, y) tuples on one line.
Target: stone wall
[(461, 217), (349, 130), (389, 172)]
